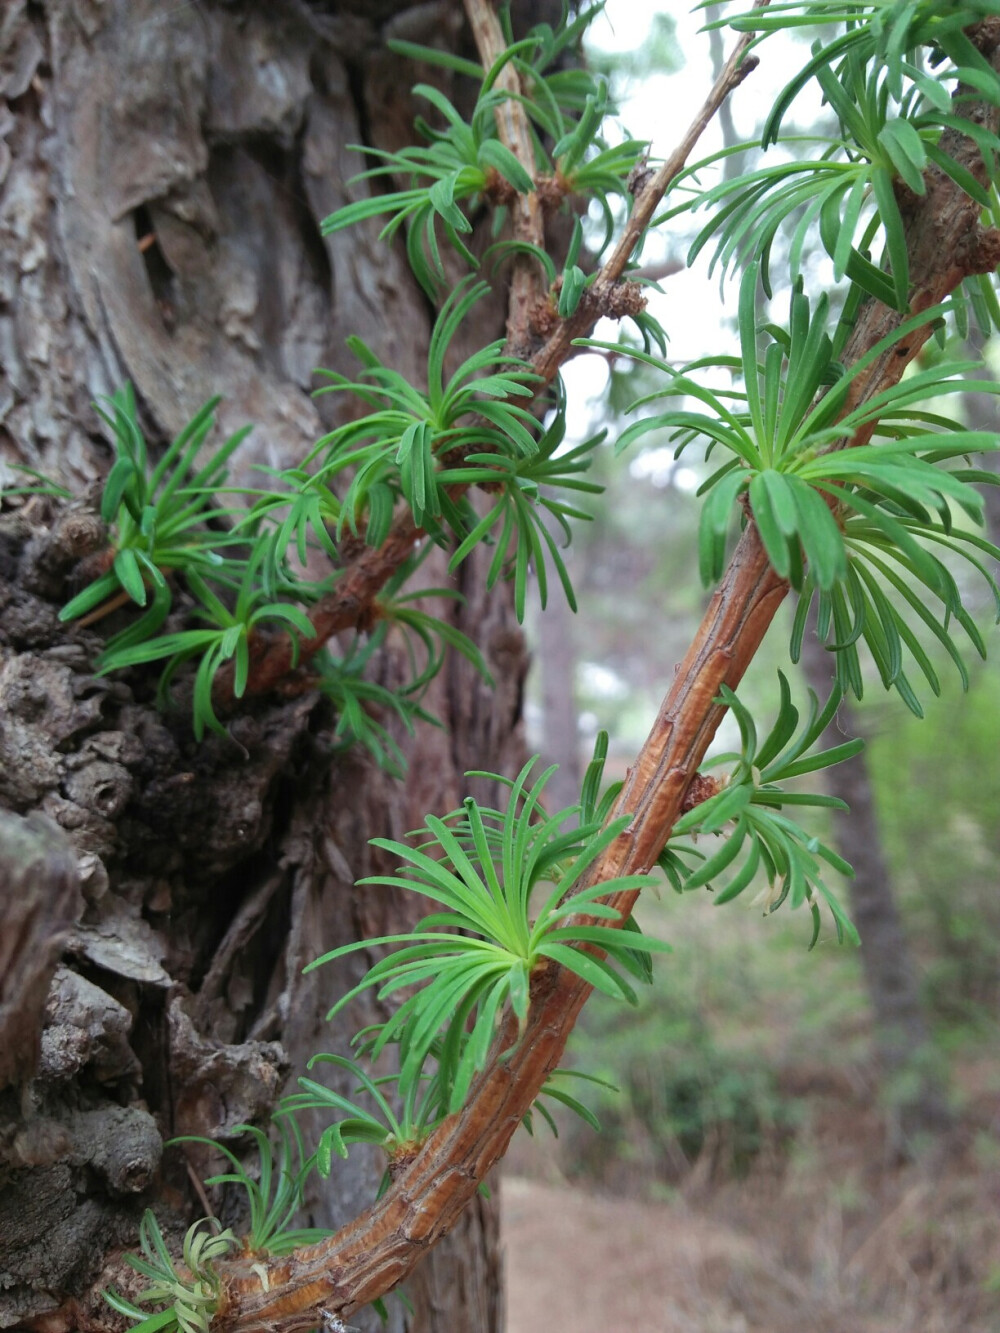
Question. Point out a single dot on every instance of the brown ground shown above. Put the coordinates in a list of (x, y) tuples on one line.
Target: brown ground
[(579, 1263), (833, 1240), (596, 1265)]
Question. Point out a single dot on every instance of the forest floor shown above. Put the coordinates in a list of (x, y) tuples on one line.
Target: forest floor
[(828, 1238)]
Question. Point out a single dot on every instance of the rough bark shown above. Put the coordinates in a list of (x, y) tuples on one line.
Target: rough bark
[(910, 1078), (39, 889), (152, 975)]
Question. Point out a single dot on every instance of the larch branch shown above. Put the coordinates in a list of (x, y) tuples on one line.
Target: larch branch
[(378, 1249), (342, 608)]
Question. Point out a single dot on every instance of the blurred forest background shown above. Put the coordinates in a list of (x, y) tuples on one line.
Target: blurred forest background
[(802, 1141)]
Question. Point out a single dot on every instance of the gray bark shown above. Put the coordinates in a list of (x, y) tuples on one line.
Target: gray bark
[(39, 890), (910, 1078), (154, 976)]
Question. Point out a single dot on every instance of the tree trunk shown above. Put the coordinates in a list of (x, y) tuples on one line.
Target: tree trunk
[(911, 1079), (163, 172)]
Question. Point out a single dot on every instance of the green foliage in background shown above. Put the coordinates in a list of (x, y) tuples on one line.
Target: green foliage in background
[(661, 1116), (938, 786)]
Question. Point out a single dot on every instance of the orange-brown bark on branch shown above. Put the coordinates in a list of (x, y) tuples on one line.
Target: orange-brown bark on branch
[(377, 1250)]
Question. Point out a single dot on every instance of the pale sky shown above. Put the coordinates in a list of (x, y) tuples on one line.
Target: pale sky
[(660, 108)]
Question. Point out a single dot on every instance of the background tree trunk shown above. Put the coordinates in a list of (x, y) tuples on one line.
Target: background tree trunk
[(163, 172), (560, 732), (982, 412), (911, 1082), (911, 1078)]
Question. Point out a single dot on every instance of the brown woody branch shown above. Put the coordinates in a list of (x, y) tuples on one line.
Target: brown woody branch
[(377, 1250), (514, 132)]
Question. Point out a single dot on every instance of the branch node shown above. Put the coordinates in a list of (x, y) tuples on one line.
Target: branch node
[(624, 299), (983, 251), (747, 66), (702, 788), (551, 191)]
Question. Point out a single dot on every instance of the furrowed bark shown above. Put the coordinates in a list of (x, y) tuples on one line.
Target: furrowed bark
[(371, 1255), (39, 889)]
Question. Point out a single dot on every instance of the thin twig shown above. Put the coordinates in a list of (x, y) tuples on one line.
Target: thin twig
[(120, 599), (598, 297), (515, 134), (198, 1186), (648, 200)]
